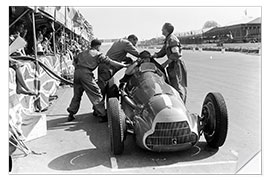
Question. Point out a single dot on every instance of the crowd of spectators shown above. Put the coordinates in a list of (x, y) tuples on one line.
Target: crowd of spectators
[(65, 43)]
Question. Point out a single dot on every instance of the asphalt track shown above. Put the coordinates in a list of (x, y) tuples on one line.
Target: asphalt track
[(82, 146)]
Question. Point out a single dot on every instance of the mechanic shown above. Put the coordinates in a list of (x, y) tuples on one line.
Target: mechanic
[(86, 62), (117, 52), (176, 69)]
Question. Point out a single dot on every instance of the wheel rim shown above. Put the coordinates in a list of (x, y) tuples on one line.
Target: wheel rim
[(210, 119)]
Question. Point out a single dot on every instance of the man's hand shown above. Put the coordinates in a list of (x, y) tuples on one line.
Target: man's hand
[(139, 60), (122, 65), (128, 61), (166, 63), (126, 65), (117, 64), (154, 55)]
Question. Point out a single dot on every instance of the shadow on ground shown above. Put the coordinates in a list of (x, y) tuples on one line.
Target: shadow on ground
[(133, 156)]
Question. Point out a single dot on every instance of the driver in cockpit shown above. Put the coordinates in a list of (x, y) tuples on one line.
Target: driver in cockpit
[(144, 57)]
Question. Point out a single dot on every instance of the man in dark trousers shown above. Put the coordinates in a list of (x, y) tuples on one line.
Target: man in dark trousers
[(176, 69), (85, 63), (118, 52)]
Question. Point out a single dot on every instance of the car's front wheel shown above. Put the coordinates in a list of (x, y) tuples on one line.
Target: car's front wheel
[(215, 119), (116, 122)]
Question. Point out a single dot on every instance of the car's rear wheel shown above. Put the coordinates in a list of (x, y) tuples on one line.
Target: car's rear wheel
[(215, 119), (117, 126)]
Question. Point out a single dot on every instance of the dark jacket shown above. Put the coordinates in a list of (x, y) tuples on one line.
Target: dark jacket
[(120, 48), (171, 48)]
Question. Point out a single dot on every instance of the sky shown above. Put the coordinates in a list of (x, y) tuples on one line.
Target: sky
[(146, 22)]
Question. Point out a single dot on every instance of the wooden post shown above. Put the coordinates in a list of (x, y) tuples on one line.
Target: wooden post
[(65, 48), (35, 49), (54, 43)]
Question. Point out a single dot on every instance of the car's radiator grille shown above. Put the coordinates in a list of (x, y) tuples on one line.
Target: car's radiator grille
[(173, 133)]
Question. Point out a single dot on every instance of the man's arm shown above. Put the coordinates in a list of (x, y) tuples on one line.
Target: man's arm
[(117, 64), (132, 50), (161, 53), (168, 61), (105, 59), (175, 49), (175, 52), (175, 55)]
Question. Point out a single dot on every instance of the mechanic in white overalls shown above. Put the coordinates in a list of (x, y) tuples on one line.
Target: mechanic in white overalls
[(176, 69)]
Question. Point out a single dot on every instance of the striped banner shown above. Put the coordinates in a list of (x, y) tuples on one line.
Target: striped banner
[(40, 81)]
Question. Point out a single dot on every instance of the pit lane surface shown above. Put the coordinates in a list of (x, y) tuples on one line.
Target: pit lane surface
[(82, 146)]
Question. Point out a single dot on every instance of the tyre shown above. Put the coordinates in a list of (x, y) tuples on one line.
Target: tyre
[(116, 121), (215, 119), (112, 89), (10, 163)]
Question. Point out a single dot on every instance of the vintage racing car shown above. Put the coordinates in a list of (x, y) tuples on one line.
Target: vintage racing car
[(147, 106)]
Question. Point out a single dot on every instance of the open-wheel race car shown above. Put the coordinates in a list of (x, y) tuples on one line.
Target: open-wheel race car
[(145, 105)]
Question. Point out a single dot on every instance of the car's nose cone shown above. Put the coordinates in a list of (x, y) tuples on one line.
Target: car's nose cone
[(170, 131), (171, 114)]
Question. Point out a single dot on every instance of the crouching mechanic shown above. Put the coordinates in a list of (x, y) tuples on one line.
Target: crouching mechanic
[(176, 69), (85, 63), (117, 52)]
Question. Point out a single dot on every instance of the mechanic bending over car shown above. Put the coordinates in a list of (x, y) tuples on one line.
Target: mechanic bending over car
[(85, 63), (117, 52), (176, 69)]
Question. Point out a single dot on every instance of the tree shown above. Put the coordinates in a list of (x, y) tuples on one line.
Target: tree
[(209, 24)]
